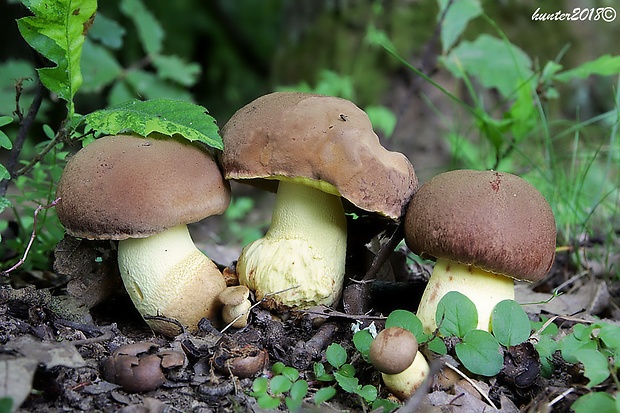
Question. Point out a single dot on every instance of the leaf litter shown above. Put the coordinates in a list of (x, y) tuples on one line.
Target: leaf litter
[(54, 345)]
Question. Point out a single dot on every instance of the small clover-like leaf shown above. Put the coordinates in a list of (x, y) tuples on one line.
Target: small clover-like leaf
[(595, 402), (277, 368), (267, 402), (511, 325), (368, 392), (260, 386), (166, 116), (291, 373), (348, 384), (595, 366), (408, 321), (336, 355), (384, 405), (362, 341), (571, 344), (280, 384), (5, 142), (299, 390), (456, 314), (610, 335), (347, 370), (546, 346), (480, 353), (324, 394), (320, 374), (438, 346)]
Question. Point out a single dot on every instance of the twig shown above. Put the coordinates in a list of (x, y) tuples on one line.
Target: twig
[(32, 237), (470, 381), (384, 252), (60, 135), (305, 352), (560, 397), (414, 402)]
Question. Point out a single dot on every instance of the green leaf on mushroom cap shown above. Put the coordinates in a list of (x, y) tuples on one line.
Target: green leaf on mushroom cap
[(166, 116)]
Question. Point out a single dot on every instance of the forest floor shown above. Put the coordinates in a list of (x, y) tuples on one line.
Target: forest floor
[(57, 332)]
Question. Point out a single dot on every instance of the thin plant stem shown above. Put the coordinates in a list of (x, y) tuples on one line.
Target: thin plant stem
[(33, 235)]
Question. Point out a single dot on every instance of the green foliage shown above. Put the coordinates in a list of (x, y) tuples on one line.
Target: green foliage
[(480, 353), (510, 324), (5, 143), (83, 60), (286, 386), (104, 69), (456, 314), (516, 122), (479, 350), (166, 116), (238, 230), (57, 31), (596, 402), (594, 347), (6, 405)]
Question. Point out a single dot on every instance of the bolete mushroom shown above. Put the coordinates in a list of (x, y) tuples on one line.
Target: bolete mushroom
[(314, 150), (485, 228), (394, 352), (236, 302), (143, 192)]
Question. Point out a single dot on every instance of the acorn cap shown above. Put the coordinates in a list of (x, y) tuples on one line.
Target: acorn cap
[(318, 138), (492, 220), (124, 186)]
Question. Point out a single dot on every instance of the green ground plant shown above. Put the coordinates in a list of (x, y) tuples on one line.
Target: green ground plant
[(514, 121), (81, 51), (286, 386)]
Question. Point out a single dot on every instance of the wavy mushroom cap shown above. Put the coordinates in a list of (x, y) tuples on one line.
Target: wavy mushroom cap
[(124, 186), (492, 220), (324, 141)]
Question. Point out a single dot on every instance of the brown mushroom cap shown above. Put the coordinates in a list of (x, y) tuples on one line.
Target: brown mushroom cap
[(126, 186), (393, 350), (320, 138), (492, 220)]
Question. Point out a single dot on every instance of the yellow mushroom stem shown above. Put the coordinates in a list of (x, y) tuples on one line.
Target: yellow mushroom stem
[(302, 256), (485, 289), (166, 275), (405, 383)]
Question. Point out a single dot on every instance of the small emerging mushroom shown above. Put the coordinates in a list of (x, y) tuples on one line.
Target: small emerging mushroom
[(140, 367), (143, 192), (484, 228), (394, 352), (314, 151), (236, 303)]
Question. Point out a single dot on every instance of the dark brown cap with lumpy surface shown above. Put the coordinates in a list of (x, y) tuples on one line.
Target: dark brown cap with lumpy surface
[(493, 220), (124, 186), (320, 138)]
